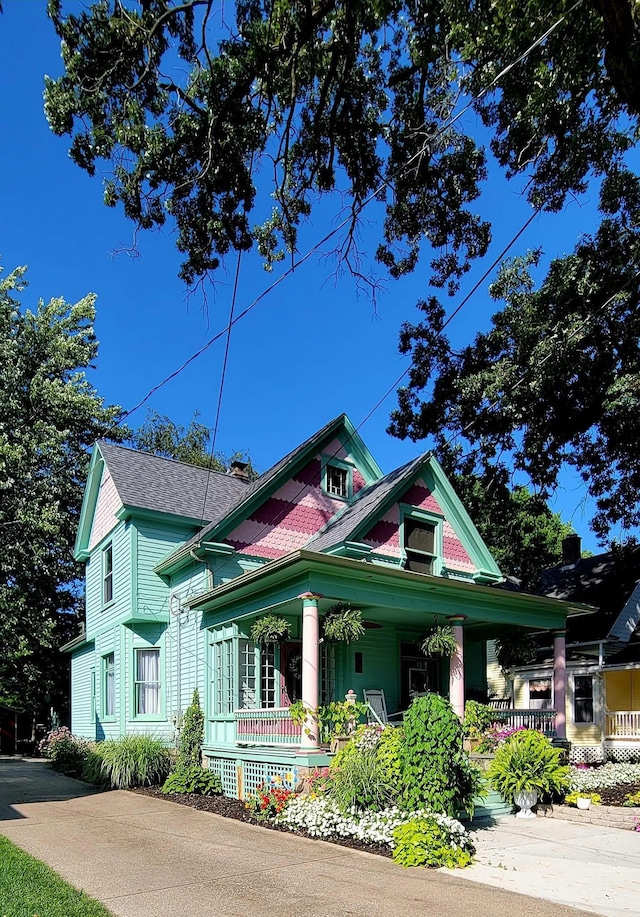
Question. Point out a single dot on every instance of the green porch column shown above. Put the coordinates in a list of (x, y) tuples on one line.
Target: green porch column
[(310, 669), (456, 666)]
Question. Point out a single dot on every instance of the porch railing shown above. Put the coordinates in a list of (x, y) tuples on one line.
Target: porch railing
[(622, 724), (272, 726), (541, 720)]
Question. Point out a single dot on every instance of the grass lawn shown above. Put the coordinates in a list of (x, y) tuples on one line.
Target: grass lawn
[(29, 888)]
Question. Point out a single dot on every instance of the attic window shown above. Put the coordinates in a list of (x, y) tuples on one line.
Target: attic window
[(337, 481), (420, 545)]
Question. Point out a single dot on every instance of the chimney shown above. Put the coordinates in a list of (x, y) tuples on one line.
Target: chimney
[(571, 550), (239, 470)]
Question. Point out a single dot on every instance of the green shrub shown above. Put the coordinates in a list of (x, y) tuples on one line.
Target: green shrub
[(571, 799), (389, 753), (66, 752), (92, 770), (134, 760), (477, 719), (428, 842), (528, 762), (631, 799), (361, 781), (192, 735), (436, 772), (193, 779)]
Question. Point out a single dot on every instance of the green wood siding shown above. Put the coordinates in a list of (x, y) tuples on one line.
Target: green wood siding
[(381, 666), (154, 541), (99, 615), (82, 662)]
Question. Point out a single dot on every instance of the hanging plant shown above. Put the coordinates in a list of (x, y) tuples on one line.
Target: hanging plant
[(440, 641), (270, 629), (342, 624), (517, 648)]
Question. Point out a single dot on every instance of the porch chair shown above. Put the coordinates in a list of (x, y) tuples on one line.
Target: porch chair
[(377, 703)]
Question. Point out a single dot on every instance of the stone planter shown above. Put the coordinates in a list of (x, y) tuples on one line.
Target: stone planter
[(338, 743), (525, 801)]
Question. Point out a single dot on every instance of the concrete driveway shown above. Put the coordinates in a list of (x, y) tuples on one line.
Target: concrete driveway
[(144, 857)]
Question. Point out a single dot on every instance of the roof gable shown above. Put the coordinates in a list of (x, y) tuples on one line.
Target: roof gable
[(286, 505), (374, 521)]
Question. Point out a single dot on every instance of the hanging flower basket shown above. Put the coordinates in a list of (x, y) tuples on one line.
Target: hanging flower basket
[(440, 641), (270, 629), (342, 624)]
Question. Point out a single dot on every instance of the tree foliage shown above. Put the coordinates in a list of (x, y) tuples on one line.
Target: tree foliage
[(162, 436), (231, 122), (49, 417)]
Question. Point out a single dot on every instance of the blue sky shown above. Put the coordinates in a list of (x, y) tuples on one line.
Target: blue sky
[(310, 350)]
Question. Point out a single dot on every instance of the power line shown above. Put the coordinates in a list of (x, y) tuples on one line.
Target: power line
[(356, 210)]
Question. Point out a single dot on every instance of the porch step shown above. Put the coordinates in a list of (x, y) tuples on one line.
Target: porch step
[(491, 806)]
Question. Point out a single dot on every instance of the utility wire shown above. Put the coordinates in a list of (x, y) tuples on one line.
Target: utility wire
[(356, 211)]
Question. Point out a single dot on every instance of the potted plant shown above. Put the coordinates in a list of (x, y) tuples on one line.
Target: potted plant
[(440, 641), (583, 800), (342, 624), (526, 768), (270, 628)]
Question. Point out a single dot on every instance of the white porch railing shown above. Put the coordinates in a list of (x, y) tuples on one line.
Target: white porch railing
[(622, 724), (541, 720), (272, 726)]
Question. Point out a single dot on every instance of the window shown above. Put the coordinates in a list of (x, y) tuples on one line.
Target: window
[(147, 684), (107, 575), (337, 481), (247, 684), (268, 675), (92, 694), (358, 663), (583, 698), (420, 545), (540, 694), (328, 673), (108, 685), (222, 677)]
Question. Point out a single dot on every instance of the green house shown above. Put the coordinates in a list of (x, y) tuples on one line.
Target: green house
[(180, 562)]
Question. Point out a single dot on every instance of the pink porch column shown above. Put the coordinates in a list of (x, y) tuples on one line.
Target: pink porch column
[(560, 682), (456, 667), (310, 668)]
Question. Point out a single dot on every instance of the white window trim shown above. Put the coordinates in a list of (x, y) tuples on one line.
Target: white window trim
[(103, 576), (331, 461)]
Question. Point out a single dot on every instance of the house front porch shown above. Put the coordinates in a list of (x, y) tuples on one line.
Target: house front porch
[(249, 733)]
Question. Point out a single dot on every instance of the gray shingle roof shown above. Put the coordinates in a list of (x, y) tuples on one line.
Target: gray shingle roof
[(368, 500), (147, 481), (265, 478)]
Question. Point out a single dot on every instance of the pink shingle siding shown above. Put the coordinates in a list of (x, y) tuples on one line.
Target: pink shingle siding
[(108, 504)]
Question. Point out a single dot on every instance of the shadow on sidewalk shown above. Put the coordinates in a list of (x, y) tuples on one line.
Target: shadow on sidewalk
[(30, 780)]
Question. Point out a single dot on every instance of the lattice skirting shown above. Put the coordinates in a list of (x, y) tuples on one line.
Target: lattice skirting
[(586, 754), (623, 755), (241, 778)]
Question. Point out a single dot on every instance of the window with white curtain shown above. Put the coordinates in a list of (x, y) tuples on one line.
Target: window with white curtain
[(108, 685), (147, 684)]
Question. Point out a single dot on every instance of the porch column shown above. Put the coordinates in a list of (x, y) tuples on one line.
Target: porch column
[(456, 666), (560, 682), (310, 668)]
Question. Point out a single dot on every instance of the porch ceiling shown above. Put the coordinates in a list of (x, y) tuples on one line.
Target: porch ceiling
[(384, 593)]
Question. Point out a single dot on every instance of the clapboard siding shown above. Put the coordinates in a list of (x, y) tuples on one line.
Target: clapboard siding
[(82, 721), (154, 541), (99, 615), (381, 666), (497, 684)]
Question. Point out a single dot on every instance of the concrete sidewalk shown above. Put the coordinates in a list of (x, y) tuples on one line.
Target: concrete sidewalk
[(150, 858), (591, 867)]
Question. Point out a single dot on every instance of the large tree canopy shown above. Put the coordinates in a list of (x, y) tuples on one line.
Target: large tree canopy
[(233, 122), (49, 417)]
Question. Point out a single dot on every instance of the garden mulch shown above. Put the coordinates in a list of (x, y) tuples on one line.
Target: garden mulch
[(615, 795), (235, 808)]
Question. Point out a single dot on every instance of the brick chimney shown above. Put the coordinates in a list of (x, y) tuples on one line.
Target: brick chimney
[(239, 469), (571, 550)]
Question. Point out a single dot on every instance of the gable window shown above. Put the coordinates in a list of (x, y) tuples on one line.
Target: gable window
[(108, 685), (540, 697), (107, 574), (420, 538), (337, 481), (583, 698), (147, 683)]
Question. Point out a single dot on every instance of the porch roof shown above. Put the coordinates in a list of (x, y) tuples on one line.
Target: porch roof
[(384, 592)]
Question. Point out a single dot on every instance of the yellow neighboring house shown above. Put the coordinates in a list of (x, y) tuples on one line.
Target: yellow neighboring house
[(603, 657)]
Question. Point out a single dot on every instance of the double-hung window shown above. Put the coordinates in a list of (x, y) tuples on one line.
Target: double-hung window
[(540, 694), (107, 574), (420, 545), (108, 685), (147, 682), (583, 698)]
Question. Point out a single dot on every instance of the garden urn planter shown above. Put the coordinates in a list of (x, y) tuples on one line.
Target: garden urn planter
[(583, 802), (525, 801)]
